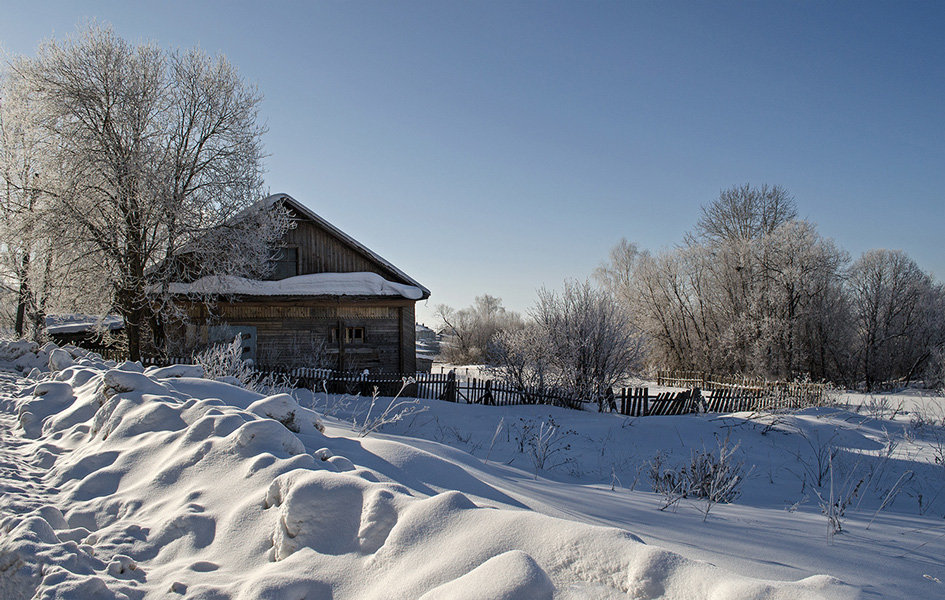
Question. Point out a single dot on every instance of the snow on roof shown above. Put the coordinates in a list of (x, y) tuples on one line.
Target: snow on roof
[(317, 284), (76, 323)]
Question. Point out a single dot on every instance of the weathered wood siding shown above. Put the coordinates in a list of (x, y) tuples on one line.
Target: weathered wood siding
[(298, 332), (408, 339), (320, 251)]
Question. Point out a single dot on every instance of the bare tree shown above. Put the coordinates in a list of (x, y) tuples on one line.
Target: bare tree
[(755, 290), (616, 274), (20, 204), (33, 256), (470, 331), (899, 314), (799, 268), (747, 291), (745, 213), (524, 358), (592, 340), (579, 342), (158, 153)]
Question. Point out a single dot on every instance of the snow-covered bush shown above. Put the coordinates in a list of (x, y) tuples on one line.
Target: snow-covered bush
[(580, 342), (225, 362), (712, 476), (396, 410), (543, 441), (470, 332)]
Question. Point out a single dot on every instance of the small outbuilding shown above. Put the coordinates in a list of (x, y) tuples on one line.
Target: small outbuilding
[(330, 302)]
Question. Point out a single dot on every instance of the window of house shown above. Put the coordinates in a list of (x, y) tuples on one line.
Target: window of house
[(285, 263), (353, 335)]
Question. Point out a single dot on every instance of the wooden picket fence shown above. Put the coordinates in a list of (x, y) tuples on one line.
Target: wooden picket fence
[(706, 393), (637, 402), (767, 394), (431, 386)]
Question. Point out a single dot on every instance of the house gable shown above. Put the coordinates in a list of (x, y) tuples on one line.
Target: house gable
[(320, 247)]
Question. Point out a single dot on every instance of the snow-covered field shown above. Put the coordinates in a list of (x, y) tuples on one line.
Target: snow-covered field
[(123, 483)]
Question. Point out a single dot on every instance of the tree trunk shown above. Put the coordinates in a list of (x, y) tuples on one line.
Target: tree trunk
[(23, 298)]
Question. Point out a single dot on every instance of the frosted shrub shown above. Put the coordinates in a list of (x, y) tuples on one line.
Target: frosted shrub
[(712, 476), (816, 463), (544, 443), (666, 481), (226, 361), (880, 408), (840, 497), (927, 418), (397, 409)]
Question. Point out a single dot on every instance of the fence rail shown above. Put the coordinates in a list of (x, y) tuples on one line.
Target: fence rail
[(632, 402), (706, 392), (787, 394)]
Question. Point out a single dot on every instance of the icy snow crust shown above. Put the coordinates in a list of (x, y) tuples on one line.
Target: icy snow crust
[(318, 284), (121, 482)]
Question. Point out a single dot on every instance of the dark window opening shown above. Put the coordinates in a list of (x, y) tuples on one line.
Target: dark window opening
[(285, 263), (353, 335)]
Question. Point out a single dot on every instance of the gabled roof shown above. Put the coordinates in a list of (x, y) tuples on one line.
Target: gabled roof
[(304, 211)]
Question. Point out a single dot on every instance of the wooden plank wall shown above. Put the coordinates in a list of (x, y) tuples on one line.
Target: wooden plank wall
[(288, 332), (408, 339), (322, 252)]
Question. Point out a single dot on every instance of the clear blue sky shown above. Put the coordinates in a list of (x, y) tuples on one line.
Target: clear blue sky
[(500, 146)]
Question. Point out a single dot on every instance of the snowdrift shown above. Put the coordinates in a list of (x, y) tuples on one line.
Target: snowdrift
[(121, 482)]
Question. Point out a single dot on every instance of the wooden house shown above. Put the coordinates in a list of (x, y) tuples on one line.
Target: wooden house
[(329, 302)]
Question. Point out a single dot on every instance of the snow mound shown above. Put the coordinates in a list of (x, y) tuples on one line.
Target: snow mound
[(512, 575), (285, 409), (131, 484), (59, 359), (12, 350), (175, 371), (29, 356)]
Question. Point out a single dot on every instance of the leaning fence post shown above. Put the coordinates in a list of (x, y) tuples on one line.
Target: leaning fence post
[(610, 399), (699, 403), (449, 394), (486, 397)]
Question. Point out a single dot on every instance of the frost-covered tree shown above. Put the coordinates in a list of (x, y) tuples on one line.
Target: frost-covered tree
[(617, 272), (33, 256), (798, 267), (592, 340), (524, 358), (898, 314), (745, 213), (580, 342), (156, 154), (751, 290), (667, 306), (470, 331), (20, 203)]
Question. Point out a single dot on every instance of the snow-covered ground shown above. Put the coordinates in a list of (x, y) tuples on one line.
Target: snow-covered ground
[(125, 483)]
